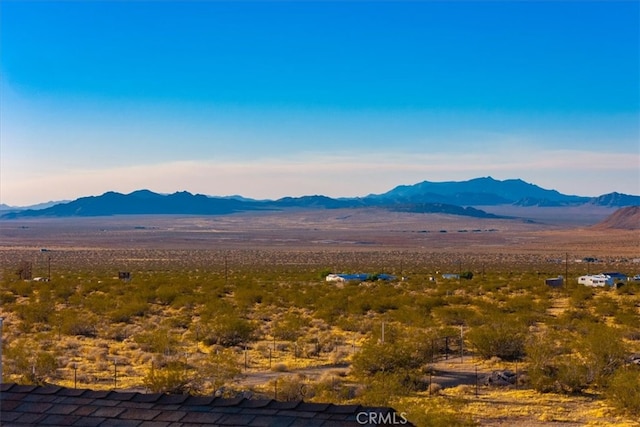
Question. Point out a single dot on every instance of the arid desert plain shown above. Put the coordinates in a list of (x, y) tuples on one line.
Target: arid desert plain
[(239, 303)]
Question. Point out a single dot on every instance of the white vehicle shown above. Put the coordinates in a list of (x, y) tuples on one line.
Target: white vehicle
[(596, 280)]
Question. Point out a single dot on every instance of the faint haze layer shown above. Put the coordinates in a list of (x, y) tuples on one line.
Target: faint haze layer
[(274, 99)]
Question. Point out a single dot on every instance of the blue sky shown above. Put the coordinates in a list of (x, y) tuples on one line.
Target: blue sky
[(269, 99)]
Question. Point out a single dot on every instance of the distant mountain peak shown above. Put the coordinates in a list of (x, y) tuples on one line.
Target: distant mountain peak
[(477, 191), (143, 193)]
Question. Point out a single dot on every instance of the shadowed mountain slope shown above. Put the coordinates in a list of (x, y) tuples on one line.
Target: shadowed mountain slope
[(623, 219)]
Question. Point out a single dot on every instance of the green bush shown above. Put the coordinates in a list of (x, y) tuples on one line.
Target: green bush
[(400, 352), (456, 315), (603, 351), (127, 310), (229, 330), (221, 367), (31, 365), (290, 388), (503, 340), (290, 327), (553, 365), (158, 340), (624, 390), (468, 275), (173, 378), (75, 322)]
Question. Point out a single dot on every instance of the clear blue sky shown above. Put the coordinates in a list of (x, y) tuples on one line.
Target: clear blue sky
[(268, 99)]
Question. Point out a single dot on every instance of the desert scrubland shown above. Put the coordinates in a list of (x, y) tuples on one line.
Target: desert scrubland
[(238, 304)]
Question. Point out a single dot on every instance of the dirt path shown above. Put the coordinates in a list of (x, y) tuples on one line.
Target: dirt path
[(256, 378), (447, 373)]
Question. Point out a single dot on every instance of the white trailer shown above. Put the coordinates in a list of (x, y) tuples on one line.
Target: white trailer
[(596, 280)]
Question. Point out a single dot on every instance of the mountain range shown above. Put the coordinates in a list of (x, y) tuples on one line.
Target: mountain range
[(452, 197)]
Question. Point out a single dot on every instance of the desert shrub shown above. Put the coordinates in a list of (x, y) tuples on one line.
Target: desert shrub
[(290, 327), (503, 340), (74, 322), (380, 388), (411, 315), (580, 295), (542, 351), (7, 297), (569, 376), (63, 290), (34, 315), (159, 340), (330, 388), (628, 316), (603, 351), (290, 387), (166, 294), (280, 367), (520, 303), (400, 352), (173, 378), (229, 330), (21, 288), (220, 367), (180, 320), (492, 286), (624, 390), (427, 303), (246, 298), (630, 288), (99, 302), (575, 320), (128, 309), (553, 366), (31, 365), (456, 315), (605, 306)]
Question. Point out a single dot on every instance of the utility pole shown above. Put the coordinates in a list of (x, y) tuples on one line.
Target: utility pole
[(461, 344)]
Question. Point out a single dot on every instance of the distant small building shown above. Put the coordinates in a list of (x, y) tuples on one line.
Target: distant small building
[(450, 276), (555, 282), (124, 275), (596, 280)]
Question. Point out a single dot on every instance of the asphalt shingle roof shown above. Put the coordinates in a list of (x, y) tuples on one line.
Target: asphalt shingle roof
[(29, 405)]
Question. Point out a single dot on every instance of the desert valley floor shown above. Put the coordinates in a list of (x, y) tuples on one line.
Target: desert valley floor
[(533, 243)]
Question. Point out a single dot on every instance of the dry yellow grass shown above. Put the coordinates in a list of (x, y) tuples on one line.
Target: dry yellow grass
[(500, 406)]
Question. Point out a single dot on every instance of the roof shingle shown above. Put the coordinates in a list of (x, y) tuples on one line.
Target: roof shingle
[(57, 406)]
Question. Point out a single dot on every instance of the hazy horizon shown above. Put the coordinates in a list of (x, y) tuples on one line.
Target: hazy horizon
[(343, 99)]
